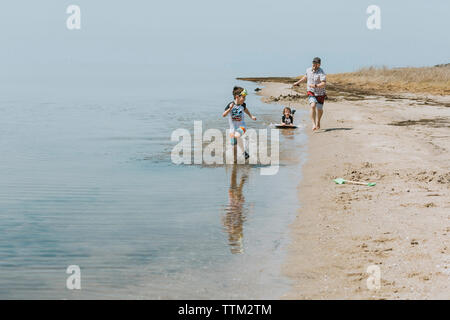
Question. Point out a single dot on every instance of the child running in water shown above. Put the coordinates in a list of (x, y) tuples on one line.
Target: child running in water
[(235, 112), (287, 119)]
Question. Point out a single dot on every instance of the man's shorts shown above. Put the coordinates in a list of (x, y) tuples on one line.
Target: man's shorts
[(313, 99)]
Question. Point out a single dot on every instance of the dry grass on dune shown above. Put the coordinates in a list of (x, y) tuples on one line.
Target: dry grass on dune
[(382, 80), (432, 80)]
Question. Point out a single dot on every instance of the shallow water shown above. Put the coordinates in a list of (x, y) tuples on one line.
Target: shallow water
[(92, 184)]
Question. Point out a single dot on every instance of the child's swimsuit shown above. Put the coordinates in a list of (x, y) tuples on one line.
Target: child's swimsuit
[(236, 119), (236, 116), (288, 120)]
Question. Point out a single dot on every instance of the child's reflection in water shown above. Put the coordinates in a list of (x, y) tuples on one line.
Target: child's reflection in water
[(234, 217)]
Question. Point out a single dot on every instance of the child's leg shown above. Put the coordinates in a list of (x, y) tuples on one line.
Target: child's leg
[(232, 138), (240, 150), (242, 142), (245, 142), (240, 132)]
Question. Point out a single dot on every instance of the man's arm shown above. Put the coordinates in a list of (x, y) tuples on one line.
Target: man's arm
[(320, 85), (249, 114), (299, 81)]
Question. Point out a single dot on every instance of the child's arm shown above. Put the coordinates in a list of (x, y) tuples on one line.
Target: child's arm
[(227, 111), (249, 114)]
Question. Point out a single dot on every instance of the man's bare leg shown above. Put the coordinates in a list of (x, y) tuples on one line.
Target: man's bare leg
[(319, 115), (313, 115)]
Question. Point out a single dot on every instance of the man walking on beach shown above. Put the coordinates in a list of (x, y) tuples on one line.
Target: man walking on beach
[(316, 82)]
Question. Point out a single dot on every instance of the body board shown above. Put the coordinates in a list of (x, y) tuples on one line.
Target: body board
[(283, 126)]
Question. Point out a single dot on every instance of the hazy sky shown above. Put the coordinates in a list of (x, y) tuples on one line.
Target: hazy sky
[(178, 39)]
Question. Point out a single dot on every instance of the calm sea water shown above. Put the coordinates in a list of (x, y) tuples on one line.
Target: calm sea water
[(86, 118), (89, 181)]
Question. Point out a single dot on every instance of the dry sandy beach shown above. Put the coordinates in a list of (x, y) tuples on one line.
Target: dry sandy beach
[(401, 225)]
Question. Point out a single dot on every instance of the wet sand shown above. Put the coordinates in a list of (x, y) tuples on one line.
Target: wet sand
[(402, 225)]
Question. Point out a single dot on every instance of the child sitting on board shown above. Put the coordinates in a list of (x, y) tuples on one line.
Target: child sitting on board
[(235, 112), (287, 119)]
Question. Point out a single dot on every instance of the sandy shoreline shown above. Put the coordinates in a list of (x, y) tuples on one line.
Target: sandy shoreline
[(402, 225)]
